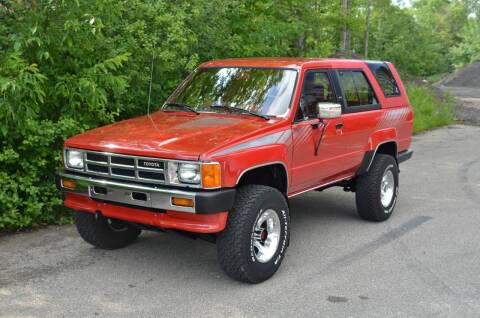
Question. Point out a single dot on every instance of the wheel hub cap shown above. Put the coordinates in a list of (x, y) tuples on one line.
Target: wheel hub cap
[(266, 235), (117, 225), (263, 235), (387, 188)]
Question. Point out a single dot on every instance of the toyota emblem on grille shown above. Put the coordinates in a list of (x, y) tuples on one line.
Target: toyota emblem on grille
[(150, 164)]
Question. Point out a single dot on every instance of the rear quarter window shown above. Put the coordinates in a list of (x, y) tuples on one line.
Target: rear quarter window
[(386, 81)]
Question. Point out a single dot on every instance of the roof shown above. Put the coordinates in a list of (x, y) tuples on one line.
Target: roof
[(284, 62)]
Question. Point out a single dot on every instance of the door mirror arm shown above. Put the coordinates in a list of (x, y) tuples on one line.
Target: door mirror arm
[(316, 123), (326, 111)]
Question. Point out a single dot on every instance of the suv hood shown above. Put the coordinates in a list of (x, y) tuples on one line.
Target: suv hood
[(174, 135)]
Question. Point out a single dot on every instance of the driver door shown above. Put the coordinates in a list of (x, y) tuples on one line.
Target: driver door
[(316, 163)]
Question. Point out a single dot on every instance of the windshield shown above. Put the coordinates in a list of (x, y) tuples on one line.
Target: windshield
[(259, 90)]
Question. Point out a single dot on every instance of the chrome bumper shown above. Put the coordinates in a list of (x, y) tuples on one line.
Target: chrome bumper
[(143, 196)]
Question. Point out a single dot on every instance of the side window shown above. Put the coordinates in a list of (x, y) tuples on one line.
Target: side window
[(365, 91), (356, 88), (349, 89), (317, 88), (387, 82)]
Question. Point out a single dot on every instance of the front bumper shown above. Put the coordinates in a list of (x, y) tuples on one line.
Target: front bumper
[(148, 197)]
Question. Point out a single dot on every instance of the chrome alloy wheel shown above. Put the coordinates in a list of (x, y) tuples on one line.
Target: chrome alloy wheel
[(387, 188), (117, 225), (266, 235)]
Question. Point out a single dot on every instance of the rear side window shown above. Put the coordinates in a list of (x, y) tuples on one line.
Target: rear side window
[(356, 88), (387, 82)]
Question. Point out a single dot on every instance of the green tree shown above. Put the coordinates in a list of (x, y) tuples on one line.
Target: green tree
[(67, 66), (468, 48)]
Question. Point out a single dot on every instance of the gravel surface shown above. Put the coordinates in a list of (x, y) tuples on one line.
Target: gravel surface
[(422, 262), (465, 86), (469, 76), (467, 111)]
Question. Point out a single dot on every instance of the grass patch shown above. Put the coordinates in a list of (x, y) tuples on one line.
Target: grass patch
[(431, 107)]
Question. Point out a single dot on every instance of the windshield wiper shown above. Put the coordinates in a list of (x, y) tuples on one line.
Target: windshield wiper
[(233, 109), (183, 106)]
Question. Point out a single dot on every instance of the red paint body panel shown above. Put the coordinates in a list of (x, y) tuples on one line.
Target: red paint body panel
[(197, 223), (175, 135), (241, 142)]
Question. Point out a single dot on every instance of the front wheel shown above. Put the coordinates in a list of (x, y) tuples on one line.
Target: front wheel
[(104, 232), (254, 242), (377, 190)]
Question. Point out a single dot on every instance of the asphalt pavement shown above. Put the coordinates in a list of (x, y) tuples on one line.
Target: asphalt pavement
[(423, 262)]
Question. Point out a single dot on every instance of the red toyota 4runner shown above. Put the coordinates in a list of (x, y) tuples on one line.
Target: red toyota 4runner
[(231, 145)]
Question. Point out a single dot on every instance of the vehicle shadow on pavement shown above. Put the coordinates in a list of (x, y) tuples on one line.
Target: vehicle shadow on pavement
[(164, 258), (162, 255), (316, 206)]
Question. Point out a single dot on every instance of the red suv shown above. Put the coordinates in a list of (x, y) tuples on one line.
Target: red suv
[(231, 145)]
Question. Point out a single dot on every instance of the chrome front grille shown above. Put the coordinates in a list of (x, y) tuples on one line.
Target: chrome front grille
[(144, 169)]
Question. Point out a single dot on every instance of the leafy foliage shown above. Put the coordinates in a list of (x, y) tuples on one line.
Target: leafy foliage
[(69, 65), (431, 108), (468, 48)]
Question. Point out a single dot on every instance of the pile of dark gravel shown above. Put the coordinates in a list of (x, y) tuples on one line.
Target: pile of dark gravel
[(464, 84), (466, 77)]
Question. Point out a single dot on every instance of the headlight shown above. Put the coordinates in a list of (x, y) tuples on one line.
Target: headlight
[(179, 173), (206, 174), (74, 159), (189, 173)]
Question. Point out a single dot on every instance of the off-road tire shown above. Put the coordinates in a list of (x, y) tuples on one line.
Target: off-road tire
[(99, 231), (234, 245), (368, 189)]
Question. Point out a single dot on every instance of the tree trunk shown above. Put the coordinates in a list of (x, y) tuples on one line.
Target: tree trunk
[(345, 44), (367, 27)]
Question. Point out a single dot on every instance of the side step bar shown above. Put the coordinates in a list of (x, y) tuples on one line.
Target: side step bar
[(404, 155)]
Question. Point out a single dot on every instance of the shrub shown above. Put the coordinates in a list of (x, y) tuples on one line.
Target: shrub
[(431, 108), (68, 66)]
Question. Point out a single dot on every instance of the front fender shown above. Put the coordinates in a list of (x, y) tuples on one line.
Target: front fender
[(274, 148), (242, 162)]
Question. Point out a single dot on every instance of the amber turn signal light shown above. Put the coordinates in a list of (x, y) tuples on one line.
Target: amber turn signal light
[(211, 175), (69, 184), (182, 202)]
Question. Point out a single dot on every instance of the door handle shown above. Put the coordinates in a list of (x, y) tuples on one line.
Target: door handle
[(339, 126)]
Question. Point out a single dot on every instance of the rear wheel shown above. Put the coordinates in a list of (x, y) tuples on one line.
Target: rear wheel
[(377, 190), (105, 233), (254, 242)]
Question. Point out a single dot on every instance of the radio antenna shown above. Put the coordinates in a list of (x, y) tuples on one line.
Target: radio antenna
[(150, 84)]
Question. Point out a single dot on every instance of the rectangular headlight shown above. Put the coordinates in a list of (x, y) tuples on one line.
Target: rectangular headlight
[(179, 172), (189, 173), (206, 174), (74, 159)]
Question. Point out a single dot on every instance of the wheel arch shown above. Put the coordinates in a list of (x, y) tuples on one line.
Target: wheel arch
[(273, 174), (388, 147)]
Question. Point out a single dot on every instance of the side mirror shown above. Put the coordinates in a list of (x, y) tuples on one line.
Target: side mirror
[(329, 110)]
